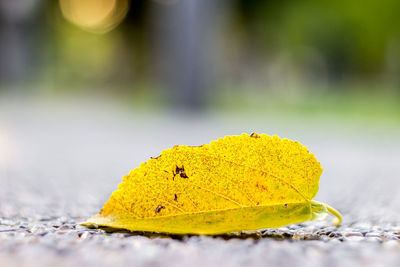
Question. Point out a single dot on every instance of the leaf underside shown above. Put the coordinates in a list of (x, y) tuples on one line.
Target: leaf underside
[(236, 183), (217, 222)]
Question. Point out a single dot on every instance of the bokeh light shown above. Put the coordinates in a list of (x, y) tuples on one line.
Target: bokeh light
[(96, 16)]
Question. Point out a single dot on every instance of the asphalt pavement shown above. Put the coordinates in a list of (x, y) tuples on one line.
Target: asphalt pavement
[(61, 159)]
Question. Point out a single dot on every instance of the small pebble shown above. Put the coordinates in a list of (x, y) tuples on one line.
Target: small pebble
[(84, 235), (66, 227), (334, 234), (374, 234), (36, 229), (353, 234), (391, 236)]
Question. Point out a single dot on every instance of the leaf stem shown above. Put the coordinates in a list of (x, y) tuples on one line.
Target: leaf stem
[(338, 220)]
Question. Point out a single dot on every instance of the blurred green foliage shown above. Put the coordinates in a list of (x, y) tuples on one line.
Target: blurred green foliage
[(354, 38)]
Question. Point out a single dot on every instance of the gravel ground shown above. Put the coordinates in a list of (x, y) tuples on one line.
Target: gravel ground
[(60, 161)]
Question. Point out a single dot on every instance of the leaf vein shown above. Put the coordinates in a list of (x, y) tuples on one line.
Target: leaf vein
[(263, 171), (221, 195)]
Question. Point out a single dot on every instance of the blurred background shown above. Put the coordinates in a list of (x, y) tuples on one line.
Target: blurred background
[(268, 56), (89, 89)]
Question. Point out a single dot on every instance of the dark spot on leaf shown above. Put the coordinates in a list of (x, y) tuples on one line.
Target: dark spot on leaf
[(261, 186), (285, 205), (177, 169), (181, 172), (255, 135), (175, 197), (159, 208)]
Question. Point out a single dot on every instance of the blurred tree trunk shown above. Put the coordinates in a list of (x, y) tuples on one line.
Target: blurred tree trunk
[(18, 40), (183, 51)]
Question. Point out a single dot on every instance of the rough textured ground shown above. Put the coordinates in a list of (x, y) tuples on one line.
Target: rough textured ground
[(59, 162)]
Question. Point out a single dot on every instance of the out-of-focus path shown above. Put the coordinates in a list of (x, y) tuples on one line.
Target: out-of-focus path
[(60, 161)]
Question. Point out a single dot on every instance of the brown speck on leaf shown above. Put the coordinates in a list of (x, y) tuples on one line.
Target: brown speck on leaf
[(175, 197), (285, 205), (261, 186), (177, 169), (181, 172), (255, 135), (159, 208)]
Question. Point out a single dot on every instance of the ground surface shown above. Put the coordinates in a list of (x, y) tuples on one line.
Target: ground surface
[(59, 162)]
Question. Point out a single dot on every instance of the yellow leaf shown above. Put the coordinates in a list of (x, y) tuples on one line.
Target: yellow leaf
[(237, 183)]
